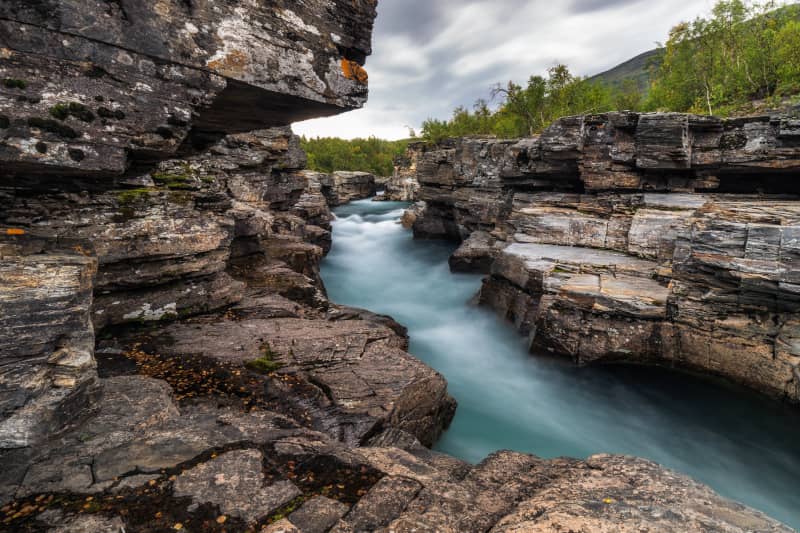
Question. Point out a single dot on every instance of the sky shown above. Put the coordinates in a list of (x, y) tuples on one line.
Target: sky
[(430, 56)]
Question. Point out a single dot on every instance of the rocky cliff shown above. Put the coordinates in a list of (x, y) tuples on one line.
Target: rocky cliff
[(170, 359), (653, 238), (122, 157), (403, 186), (343, 187)]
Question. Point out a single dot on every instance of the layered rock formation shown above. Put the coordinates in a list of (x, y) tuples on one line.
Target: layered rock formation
[(123, 201), (137, 77), (343, 187), (403, 186), (170, 359), (657, 238)]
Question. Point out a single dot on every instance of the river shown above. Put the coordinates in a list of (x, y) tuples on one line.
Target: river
[(744, 446)]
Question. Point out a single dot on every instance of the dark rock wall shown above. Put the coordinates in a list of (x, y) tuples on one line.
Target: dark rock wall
[(661, 238), (137, 77), (344, 187), (168, 357), (138, 183)]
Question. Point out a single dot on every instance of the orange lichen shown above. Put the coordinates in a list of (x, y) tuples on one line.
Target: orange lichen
[(232, 64), (354, 71), (15, 231)]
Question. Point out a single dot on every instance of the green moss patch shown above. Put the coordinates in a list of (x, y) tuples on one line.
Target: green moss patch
[(72, 109), (131, 196), (287, 509), (176, 179), (14, 84), (265, 364)]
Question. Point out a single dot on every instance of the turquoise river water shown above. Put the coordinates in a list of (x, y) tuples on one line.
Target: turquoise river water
[(744, 446)]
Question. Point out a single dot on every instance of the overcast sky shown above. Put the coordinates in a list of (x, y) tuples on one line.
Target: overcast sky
[(430, 56)]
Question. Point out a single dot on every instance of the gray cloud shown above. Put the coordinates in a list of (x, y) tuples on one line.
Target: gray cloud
[(588, 6), (433, 55)]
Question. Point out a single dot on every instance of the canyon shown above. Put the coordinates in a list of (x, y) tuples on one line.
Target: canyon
[(665, 239), (171, 360)]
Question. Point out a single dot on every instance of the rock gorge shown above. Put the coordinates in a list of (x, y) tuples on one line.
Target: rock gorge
[(169, 355), (668, 239)]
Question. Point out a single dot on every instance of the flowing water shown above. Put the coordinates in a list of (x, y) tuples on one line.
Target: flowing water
[(744, 446)]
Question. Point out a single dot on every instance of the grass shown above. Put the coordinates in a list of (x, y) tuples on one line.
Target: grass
[(266, 364)]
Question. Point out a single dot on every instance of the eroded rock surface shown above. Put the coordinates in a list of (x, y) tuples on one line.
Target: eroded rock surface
[(661, 238), (136, 77), (403, 186), (341, 188), (170, 360), (213, 468)]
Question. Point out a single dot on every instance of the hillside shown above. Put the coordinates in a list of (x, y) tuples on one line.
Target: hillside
[(637, 69)]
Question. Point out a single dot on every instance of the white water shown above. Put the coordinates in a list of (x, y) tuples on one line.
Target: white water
[(745, 447)]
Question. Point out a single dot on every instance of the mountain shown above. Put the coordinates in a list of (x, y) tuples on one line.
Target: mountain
[(638, 69)]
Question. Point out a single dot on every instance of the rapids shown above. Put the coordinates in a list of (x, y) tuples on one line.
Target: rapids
[(744, 446)]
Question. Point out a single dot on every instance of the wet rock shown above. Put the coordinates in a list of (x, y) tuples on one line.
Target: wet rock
[(650, 497), (115, 84), (476, 254), (387, 500), (234, 482), (318, 515), (608, 191), (516, 492), (46, 341), (365, 378), (341, 188)]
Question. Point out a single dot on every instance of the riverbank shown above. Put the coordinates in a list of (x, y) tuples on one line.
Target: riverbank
[(739, 443)]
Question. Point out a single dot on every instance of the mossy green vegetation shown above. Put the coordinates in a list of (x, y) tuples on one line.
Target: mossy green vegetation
[(373, 155), (744, 57), (11, 83), (178, 179), (265, 364), (131, 196), (71, 109), (287, 509)]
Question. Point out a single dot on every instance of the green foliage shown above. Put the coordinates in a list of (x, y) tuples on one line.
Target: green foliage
[(265, 364), (525, 110), (788, 57), (745, 51), (329, 154)]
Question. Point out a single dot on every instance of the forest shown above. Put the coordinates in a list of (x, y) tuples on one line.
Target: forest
[(329, 154), (745, 54)]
